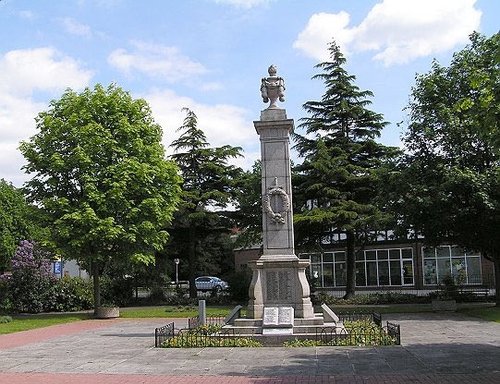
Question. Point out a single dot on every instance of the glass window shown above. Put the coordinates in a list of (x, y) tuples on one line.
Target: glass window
[(457, 251), (383, 254), (371, 255), (474, 270), (430, 276), (443, 268), (339, 256), (458, 270), (429, 252), (360, 274), (383, 272), (394, 254), (316, 274), (315, 258), (327, 275), (407, 272), (407, 253), (443, 251), (340, 273), (395, 272), (371, 273), (328, 257), (360, 255)]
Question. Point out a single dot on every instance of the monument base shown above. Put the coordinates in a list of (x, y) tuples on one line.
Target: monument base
[(279, 281)]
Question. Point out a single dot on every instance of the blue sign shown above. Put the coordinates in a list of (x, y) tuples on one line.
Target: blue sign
[(57, 267)]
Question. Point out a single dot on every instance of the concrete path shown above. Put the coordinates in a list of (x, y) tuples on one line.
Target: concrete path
[(436, 348)]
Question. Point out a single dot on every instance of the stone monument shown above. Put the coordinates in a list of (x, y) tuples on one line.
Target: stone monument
[(279, 284)]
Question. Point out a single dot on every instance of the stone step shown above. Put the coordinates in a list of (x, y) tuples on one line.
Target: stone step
[(250, 330)]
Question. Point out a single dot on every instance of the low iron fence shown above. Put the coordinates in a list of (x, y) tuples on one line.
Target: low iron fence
[(194, 322), (359, 336), (201, 337), (394, 330), (374, 317), (164, 333)]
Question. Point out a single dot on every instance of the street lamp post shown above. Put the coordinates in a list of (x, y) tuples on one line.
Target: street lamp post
[(177, 261)]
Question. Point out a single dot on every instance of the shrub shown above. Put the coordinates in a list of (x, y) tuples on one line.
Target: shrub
[(116, 290), (5, 319), (370, 299), (32, 279), (239, 284), (70, 294), (5, 295)]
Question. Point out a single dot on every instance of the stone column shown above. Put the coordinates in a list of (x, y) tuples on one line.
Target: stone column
[(278, 275)]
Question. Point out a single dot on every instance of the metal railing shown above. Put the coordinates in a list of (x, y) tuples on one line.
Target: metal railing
[(194, 322), (340, 336), (200, 338), (374, 317), (164, 333)]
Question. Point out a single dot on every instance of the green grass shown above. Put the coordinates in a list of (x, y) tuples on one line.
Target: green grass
[(27, 322), (381, 308), (486, 313), (172, 311)]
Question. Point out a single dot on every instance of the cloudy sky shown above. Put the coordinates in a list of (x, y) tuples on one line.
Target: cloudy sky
[(209, 55)]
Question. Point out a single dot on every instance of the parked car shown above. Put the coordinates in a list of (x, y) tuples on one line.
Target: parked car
[(210, 283)]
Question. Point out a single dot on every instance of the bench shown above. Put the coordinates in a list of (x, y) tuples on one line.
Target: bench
[(479, 291)]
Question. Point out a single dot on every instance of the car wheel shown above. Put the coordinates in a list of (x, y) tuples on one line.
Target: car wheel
[(218, 288)]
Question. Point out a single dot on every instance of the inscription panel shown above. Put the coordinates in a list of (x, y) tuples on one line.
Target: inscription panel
[(278, 317), (279, 286)]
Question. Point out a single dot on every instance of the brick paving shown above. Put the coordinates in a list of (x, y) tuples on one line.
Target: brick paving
[(436, 348), (55, 378)]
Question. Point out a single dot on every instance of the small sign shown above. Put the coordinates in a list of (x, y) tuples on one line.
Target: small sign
[(57, 267)]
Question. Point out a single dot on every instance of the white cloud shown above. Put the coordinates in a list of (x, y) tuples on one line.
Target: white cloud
[(397, 31), (24, 71), (223, 124), (244, 3), (156, 60), (21, 73), (27, 15), (76, 28), (320, 30)]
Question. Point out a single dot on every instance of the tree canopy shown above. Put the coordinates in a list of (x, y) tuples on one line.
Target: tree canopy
[(336, 185), (451, 188), (99, 173), (202, 224)]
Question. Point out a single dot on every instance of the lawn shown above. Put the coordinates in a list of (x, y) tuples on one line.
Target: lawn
[(171, 311), (27, 322), (486, 313)]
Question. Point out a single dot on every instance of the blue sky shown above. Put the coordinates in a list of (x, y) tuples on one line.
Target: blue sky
[(209, 55)]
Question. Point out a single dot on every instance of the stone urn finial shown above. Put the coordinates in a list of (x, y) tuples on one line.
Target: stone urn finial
[(272, 88)]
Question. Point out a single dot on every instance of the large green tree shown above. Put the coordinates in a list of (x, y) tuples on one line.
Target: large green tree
[(249, 210), (15, 223), (209, 190), (100, 175), (451, 176), (336, 185)]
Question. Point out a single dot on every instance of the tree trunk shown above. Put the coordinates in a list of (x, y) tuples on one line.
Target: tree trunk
[(350, 266), (94, 267), (193, 292), (496, 263)]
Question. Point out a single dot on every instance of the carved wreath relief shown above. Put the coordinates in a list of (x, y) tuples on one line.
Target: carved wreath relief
[(275, 190)]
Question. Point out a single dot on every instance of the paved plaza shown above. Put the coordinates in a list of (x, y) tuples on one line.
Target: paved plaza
[(436, 348)]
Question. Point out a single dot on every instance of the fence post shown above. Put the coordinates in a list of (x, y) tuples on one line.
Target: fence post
[(202, 312)]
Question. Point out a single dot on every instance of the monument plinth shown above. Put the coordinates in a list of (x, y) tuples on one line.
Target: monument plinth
[(278, 278)]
